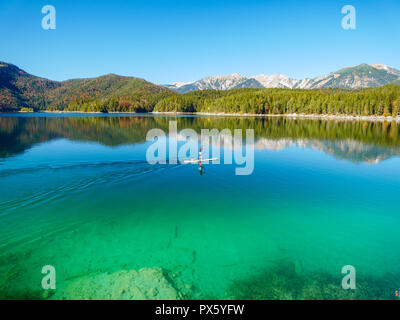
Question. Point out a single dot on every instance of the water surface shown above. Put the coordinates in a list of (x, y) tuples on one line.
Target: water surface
[(77, 193)]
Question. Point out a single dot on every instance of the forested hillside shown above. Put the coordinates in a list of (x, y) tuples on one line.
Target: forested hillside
[(376, 101), (19, 89)]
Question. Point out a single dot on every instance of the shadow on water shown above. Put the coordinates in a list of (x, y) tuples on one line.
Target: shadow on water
[(285, 280)]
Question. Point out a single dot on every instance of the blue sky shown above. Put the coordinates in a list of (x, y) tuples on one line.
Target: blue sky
[(168, 41)]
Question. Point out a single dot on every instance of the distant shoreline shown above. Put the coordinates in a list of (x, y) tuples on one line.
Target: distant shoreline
[(293, 116), (221, 114)]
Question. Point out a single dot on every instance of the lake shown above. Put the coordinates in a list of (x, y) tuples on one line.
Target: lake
[(77, 193)]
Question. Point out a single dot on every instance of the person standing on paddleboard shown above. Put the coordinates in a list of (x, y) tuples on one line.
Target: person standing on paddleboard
[(201, 168)]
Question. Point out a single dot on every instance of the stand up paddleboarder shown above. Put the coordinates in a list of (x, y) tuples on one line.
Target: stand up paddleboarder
[(201, 168)]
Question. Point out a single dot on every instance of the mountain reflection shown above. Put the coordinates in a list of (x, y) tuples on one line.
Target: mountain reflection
[(357, 141), (351, 150)]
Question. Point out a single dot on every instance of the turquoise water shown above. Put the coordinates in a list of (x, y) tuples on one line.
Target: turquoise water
[(77, 193)]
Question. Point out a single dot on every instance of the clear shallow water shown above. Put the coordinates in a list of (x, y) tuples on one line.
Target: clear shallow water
[(77, 193)]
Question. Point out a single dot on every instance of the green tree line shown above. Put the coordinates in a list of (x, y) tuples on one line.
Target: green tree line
[(375, 101)]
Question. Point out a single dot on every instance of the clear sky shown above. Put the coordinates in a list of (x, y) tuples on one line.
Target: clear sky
[(167, 41)]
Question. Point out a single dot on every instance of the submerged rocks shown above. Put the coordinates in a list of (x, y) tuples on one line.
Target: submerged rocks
[(144, 284), (287, 280)]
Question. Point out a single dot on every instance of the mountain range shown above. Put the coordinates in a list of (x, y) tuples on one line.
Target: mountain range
[(356, 77), (114, 93)]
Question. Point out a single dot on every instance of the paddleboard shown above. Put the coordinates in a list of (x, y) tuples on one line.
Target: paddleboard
[(194, 161)]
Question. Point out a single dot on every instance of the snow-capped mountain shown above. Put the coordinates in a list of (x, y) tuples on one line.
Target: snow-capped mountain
[(362, 76), (233, 81), (356, 77), (275, 81), (386, 68)]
